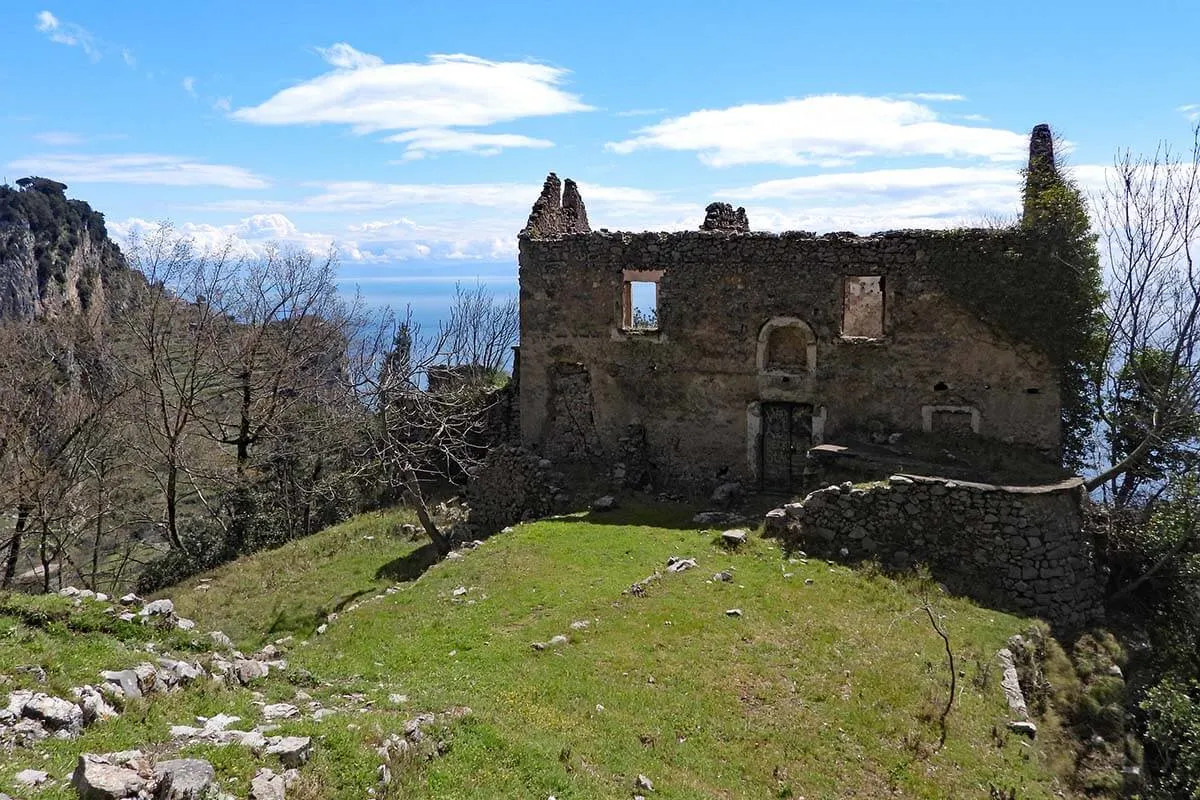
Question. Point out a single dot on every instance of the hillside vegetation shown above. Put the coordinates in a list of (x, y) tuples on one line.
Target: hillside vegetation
[(827, 684)]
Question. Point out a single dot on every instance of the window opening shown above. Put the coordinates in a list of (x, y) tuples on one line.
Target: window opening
[(641, 306), (862, 306)]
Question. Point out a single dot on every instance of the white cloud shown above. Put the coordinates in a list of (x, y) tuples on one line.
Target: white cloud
[(249, 237), (343, 56), (222, 104), (441, 140), (67, 33), (881, 181), (189, 85), (935, 97), (365, 196), (428, 100), (137, 168), (128, 58), (59, 138), (822, 129), (1191, 111), (864, 202)]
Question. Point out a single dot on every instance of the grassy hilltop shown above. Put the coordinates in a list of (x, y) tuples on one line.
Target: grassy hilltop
[(828, 684)]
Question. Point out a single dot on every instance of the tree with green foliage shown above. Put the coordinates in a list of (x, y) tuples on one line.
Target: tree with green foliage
[(1066, 288)]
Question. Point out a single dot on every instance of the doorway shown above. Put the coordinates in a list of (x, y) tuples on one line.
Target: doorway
[(786, 437)]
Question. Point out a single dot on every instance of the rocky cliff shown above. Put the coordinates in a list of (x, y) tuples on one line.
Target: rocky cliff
[(55, 254)]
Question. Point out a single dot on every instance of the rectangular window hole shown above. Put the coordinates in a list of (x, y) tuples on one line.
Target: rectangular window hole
[(641, 306), (862, 306)]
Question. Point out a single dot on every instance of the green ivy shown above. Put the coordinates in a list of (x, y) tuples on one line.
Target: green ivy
[(1040, 282)]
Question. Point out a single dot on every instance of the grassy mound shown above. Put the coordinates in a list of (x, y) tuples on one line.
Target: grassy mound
[(828, 683)]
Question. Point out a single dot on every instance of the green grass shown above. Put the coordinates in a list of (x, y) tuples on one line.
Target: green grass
[(827, 686)]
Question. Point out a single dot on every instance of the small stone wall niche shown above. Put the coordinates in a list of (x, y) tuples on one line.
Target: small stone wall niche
[(1017, 548)]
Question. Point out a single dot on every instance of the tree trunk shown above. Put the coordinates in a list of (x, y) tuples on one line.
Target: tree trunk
[(14, 547), (46, 558), (172, 506), (412, 486), (243, 437)]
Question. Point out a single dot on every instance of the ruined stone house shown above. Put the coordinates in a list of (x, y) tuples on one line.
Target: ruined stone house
[(735, 351)]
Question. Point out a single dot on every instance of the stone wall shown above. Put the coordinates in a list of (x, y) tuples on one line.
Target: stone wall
[(1021, 548), (696, 383), (511, 485)]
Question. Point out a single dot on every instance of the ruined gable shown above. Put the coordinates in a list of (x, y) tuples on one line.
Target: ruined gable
[(557, 211)]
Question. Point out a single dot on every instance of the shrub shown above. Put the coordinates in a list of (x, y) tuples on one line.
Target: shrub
[(1172, 737)]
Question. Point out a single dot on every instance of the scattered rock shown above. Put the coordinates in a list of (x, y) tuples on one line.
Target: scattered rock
[(733, 612), (555, 641), (643, 784), (1023, 727), (31, 778), (184, 778), (221, 640), (266, 785), (677, 564), (293, 751), (775, 522), (158, 608), (93, 704), (184, 624), (111, 777), (605, 503), (580, 624), (724, 576), (248, 670), (131, 599), (1011, 685), (734, 538), (17, 701), (55, 713), (280, 711)]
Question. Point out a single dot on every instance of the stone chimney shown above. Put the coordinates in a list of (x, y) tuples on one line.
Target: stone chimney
[(721, 217), (1042, 171)]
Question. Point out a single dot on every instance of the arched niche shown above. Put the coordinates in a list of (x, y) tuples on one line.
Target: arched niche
[(787, 346)]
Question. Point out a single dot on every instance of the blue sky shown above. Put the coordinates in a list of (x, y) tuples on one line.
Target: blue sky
[(414, 136)]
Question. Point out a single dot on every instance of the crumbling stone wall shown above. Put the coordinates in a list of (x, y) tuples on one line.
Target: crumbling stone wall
[(1014, 547), (511, 485), (696, 381), (903, 330)]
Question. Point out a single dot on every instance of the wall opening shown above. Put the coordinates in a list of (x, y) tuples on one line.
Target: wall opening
[(639, 300), (950, 420), (787, 349), (862, 306), (786, 346)]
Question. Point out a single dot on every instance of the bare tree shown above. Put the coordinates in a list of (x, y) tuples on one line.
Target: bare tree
[(57, 401), (419, 436), (282, 331), (172, 334), (482, 330), (1148, 395)]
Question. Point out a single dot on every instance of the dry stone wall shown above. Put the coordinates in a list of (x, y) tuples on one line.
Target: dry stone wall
[(1021, 548), (512, 485)]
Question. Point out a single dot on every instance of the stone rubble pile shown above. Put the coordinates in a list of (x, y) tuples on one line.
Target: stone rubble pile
[(417, 742)]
